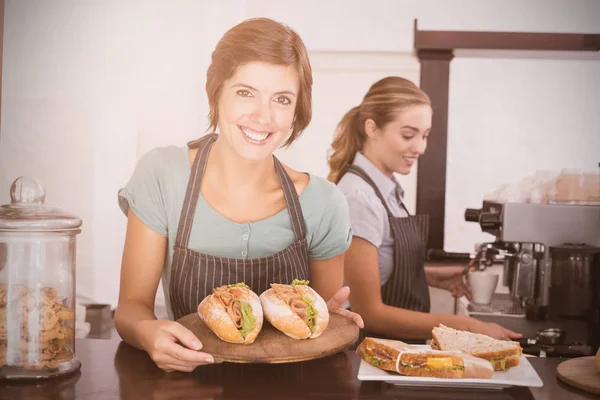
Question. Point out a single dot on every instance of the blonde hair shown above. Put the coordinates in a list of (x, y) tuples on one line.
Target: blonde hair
[(263, 40), (382, 103)]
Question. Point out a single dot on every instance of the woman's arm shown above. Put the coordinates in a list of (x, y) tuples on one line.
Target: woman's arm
[(362, 275), (327, 276), (141, 267), (143, 258)]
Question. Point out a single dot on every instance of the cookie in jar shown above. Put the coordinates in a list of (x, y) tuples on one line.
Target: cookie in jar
[(37, 329)]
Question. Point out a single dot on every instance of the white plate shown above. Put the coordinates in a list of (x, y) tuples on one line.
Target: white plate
[(521, 375)]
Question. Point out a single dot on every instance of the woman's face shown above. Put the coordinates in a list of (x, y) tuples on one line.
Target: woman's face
[(257, 107), (398, 145)]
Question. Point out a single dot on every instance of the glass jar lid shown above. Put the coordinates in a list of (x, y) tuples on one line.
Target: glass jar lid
[(27, 211)]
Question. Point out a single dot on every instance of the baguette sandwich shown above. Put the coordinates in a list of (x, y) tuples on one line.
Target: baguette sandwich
[(412, 361), (233, 313), (296, 310), (502, 354)]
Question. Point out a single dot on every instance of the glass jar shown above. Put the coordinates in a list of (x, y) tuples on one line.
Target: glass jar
[(570, 186), (37, 285)]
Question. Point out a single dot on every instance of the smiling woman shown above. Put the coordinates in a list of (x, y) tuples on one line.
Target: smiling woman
[(384, 265), (262, 40), (223, 209), (256, 119)]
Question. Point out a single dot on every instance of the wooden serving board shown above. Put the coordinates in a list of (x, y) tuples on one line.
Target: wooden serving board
[(272, 346), (581, 373)]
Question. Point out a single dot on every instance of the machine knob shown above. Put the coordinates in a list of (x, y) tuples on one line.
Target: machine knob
[(526, 258), (472, 214), (489, 220)]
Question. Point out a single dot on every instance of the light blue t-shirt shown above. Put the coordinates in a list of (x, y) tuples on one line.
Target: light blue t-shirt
[(156, 190)]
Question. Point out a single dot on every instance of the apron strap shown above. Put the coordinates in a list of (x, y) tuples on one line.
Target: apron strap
[(405, 209), (356, 170), (193, 189), (291, 199)]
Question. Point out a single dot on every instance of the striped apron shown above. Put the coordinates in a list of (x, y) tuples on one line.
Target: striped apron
[(194, 275), (407, 286)]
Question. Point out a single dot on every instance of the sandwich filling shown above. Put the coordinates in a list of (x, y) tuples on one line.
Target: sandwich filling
[(499, 364), (301, 305), (377, 356), (238, 310), (428, 362)]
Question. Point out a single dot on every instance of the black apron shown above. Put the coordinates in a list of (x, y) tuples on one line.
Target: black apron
[(407, 286), (194, 275)]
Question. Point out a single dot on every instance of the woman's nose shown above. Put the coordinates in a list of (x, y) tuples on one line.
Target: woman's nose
[(262, 112), (420, 146)]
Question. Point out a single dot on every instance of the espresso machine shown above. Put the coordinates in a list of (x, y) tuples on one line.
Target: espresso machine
[(551, 267)]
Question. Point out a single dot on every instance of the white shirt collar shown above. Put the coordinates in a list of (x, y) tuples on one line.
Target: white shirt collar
[(385, 185)]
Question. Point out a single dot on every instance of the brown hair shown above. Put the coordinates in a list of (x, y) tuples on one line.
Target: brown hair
[(381, 104), (264, 40)]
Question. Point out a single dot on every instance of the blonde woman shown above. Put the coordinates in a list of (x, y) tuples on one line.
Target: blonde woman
[(384, 266)]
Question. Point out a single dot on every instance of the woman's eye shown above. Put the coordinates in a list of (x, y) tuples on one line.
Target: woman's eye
[(407, 137), (244, 93), (283, 100)]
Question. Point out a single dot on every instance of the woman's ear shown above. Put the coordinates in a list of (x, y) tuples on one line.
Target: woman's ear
[(371, 128)]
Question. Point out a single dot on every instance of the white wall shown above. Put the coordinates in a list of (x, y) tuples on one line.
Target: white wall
[(508, 118), (88, 87)]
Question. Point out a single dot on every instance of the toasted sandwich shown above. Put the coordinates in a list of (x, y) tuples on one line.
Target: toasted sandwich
[(411, 362), (502, 354)]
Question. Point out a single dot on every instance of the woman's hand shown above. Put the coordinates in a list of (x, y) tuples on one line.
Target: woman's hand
[(451, 279), (493, 330), (159, 338), (334, 305)]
